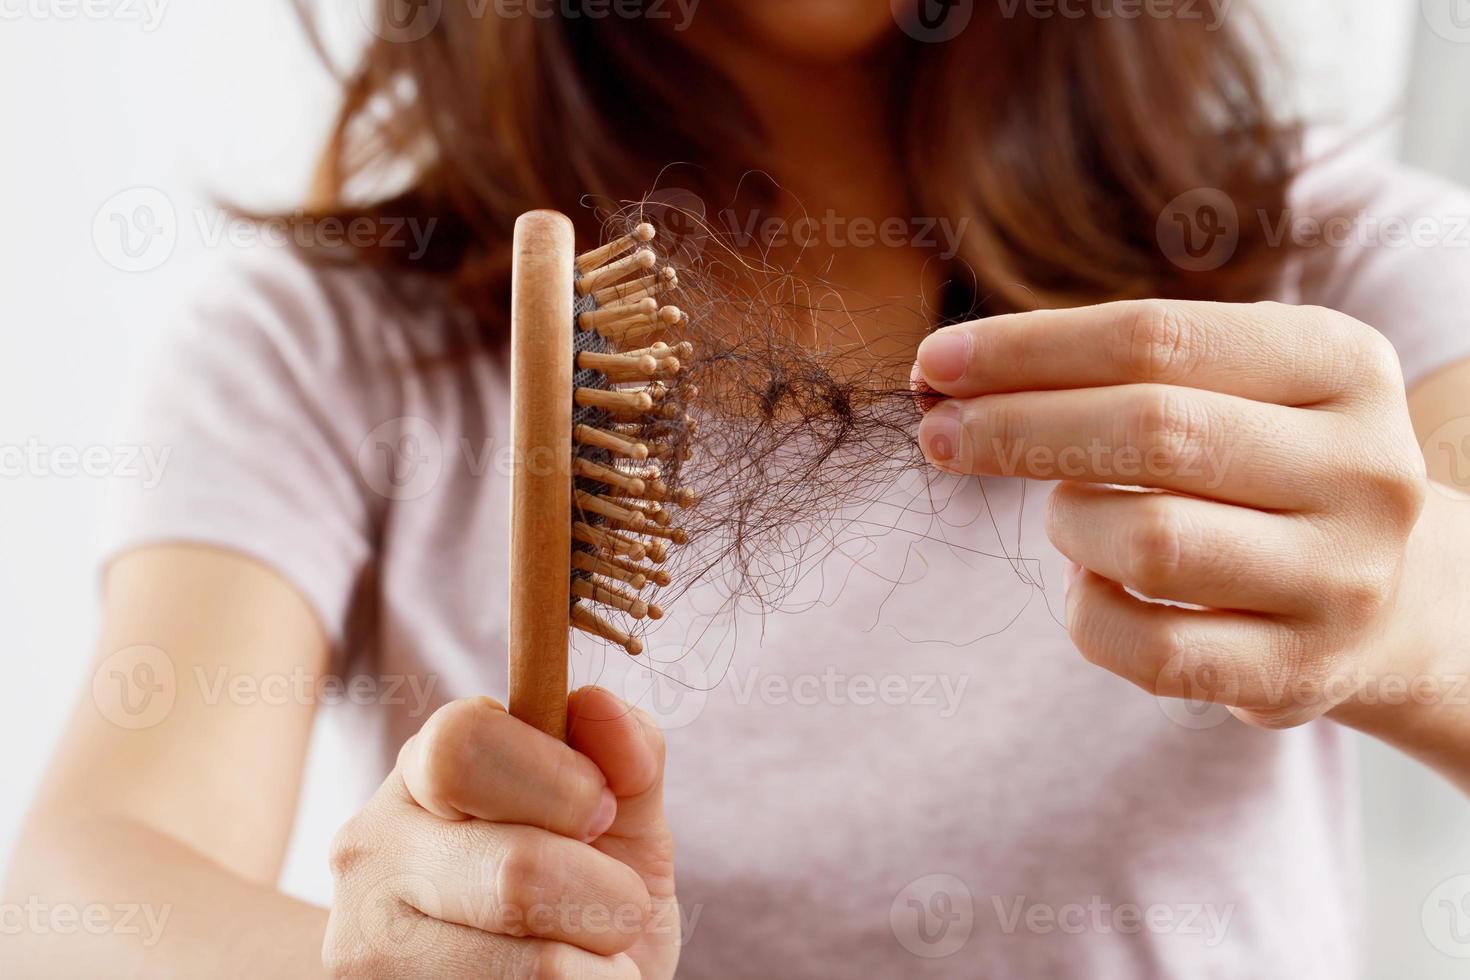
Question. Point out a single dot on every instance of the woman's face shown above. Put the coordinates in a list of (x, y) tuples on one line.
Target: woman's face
[(819, 30)]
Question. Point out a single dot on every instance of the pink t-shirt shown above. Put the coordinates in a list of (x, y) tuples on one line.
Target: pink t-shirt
[(908, 772)]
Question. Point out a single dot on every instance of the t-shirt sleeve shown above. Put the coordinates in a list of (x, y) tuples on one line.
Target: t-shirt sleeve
[(254, 406), (1391, 248)]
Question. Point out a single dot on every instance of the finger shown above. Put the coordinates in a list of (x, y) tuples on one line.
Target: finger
[(514, 880), (417, 947), (629, 749), (1185, 549), (472, 759), (1183, 439), (1288, 355), (1226, 657)]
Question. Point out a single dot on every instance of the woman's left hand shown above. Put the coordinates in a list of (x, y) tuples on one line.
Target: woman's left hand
[(1285, 484)]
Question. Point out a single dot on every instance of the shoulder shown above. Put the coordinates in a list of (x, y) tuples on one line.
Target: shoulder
[(322, 316), (1388, 245)]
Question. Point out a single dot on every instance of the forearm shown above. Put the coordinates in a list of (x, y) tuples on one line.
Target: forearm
[(111, 897), (1417, 697)]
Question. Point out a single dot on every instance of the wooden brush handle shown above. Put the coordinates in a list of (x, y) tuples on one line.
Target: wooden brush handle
[(541, 342)]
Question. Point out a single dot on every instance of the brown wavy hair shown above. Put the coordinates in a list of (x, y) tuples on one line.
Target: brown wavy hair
[(1054, 143)]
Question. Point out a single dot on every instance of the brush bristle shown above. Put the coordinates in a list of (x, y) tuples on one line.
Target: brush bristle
[(630, 434)]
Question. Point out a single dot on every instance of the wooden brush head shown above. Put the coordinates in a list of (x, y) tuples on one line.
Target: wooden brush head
[(599, 424)]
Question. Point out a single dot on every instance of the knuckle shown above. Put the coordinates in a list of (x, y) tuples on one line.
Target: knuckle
[(575, 794), (1171, 427), (1161, 342), (448, 745), (526, 876), (550, 961), (1395, 491), (1375, 354), (1360, 595), (347, 851), (1156, 550), (1159, 642)]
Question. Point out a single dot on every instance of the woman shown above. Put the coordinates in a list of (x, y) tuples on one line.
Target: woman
[(917, 775)]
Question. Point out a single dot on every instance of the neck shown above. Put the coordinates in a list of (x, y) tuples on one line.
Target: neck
[(826, 127), (836, 164)]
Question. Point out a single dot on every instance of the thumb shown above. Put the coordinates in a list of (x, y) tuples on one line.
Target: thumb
[(629, 749)]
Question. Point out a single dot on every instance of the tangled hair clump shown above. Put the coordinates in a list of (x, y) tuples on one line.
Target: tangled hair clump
[(787, 432)]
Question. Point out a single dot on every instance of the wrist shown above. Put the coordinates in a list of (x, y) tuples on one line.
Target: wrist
[(1416, 672)]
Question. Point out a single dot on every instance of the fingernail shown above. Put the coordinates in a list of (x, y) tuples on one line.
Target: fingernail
[(940, 434), (945, 356), (607, 812)]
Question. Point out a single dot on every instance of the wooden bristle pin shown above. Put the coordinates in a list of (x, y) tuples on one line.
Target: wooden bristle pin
[(588, 621), (610, 541), (588, 531), (628, 292), (606, 475), (613, 442), (645, 365), (617, 400), (645, 310), (582, 561), (592, 503), (642, 234), (639, 261), (608, 596), (655, 575)]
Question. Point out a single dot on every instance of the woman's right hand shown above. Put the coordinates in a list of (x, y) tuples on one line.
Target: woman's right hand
[(494, 850)]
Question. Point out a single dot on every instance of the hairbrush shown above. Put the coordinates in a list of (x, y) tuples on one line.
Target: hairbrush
[(599, 426)]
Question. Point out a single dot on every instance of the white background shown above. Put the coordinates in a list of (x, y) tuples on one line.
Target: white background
[(224, 98)]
